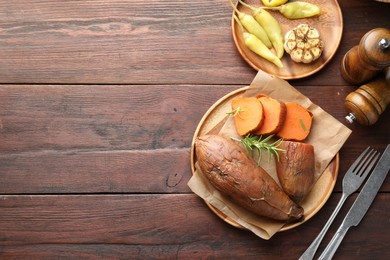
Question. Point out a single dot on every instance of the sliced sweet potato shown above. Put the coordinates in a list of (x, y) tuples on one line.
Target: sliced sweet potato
[(230, 169), (297, 124), (274, 115), (295, 169), (248, 114)]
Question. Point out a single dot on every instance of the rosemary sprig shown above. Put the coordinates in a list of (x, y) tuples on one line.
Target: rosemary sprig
[(256, 143), (302, 124), (235, 112)]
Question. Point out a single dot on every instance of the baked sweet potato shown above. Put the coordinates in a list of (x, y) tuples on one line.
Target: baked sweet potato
[(235, 174), (274, 115), (249, 114), (297, 124), (295, 169)]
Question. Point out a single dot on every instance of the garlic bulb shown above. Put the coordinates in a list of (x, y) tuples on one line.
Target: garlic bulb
[(303, 43)]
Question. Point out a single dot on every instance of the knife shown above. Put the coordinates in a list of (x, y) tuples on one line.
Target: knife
[(361, 204)]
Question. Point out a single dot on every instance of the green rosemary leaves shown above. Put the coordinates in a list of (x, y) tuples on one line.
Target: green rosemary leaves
[(256, 143)]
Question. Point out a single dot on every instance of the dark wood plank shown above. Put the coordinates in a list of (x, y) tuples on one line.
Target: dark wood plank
[(112, 117), (160, 171), (146, 226), (57, 117), (74, 42), (77, 42)]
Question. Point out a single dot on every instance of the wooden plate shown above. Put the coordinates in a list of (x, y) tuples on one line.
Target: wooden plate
[(329, 23), (214, 119)]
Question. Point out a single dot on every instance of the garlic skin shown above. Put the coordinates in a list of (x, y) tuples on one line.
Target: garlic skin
[(303, 43)]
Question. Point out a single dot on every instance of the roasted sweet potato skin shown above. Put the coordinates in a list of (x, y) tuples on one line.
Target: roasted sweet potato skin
[(230, 170), (295, 169)]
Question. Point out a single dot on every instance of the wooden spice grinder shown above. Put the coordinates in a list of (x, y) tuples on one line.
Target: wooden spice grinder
[(366, 60), (370, 100)]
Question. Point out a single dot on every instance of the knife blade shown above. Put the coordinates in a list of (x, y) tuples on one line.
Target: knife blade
[(361, 204)]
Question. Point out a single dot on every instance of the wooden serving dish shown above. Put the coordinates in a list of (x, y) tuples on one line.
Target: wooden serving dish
[(329, 23), (212, 122)]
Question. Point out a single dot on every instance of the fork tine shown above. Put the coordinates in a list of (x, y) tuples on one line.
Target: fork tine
[(363, 163), (369, 167), (357, 161)]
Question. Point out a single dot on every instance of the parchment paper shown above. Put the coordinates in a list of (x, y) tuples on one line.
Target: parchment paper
[(327, 136)]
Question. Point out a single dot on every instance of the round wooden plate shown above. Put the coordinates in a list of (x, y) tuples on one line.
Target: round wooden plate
[(314, 200), (329, 23)]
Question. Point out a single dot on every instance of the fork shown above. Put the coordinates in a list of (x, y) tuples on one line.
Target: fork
[(352, 180)]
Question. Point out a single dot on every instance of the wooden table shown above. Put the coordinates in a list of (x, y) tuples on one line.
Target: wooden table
[(99, 101)]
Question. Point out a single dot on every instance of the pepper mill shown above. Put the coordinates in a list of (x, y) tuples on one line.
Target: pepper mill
[(366, 60), (370, 100)]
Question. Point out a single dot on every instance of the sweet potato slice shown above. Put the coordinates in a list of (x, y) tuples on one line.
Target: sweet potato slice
[(248, 114), (274, 116), (230, 169), (295, 169), (297, 124)]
